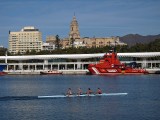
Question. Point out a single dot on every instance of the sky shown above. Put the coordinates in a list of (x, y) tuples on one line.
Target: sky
[(96, 18)]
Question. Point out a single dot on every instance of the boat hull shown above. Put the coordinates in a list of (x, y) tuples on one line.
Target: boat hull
[(3, 73), (112, 71), (1, 70)]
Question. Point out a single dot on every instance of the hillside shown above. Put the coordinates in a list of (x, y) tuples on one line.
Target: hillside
[(132, 39)]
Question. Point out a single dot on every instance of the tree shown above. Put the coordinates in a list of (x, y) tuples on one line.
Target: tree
[(33, 52), (3, 51), (27, 52), (72, 42), (57, 42)]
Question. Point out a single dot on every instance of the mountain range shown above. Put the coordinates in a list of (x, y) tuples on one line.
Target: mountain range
[(132, 39)]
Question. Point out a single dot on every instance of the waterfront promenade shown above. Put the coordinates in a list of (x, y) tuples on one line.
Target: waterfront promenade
[(54, 62)]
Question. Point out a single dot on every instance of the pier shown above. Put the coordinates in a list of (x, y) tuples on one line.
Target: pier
[(78, 67)]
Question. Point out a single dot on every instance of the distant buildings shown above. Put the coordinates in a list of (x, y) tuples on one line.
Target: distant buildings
[(51, 39), (48, 46), (75, 40), (28, 39), (50, 43)]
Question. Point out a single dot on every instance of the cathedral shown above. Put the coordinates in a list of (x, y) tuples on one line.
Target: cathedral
[(75, 40)]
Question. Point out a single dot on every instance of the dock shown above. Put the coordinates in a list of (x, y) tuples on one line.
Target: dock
[(67, 72), (37, 72)]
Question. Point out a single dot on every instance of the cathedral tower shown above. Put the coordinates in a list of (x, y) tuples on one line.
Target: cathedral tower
[(74, 31)]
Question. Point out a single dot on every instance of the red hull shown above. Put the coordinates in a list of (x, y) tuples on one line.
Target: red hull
[(92, 71), (110, 64), (3, 73)]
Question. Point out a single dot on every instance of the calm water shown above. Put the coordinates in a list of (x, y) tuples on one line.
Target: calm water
[(141, 103)]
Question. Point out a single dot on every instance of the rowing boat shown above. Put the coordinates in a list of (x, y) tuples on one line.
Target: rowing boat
[(83, 95)]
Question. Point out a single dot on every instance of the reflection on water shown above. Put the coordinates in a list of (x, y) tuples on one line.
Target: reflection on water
[(142, 101)]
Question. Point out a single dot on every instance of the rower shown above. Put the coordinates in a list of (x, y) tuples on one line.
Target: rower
[(89, 91), (99, 91), (69, 92), (79, 91)]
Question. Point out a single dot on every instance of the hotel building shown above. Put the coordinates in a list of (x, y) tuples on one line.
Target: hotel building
[(28, 39)]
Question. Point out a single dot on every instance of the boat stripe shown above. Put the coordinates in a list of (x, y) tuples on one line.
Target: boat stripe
[(95, 70)]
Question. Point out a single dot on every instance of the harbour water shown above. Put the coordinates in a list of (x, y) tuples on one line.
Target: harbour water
[(141, 103)]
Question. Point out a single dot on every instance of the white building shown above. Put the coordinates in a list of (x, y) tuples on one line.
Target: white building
[(28, 39), (48, 46), (79, 44)]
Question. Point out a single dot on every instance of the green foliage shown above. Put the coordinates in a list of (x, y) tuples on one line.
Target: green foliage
[(154, 46), (72, 42), (33, 52), (57, 42), (139, 48), (151, 47), (27, 52), (3, 51)]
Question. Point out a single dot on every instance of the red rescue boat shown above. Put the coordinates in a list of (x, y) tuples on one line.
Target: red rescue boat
[(110, 64)]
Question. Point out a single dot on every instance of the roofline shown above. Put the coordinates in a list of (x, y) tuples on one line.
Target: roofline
[(79, 56)]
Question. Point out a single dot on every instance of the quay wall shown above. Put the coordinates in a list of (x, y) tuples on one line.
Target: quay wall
[(37, 72), (65, 72)]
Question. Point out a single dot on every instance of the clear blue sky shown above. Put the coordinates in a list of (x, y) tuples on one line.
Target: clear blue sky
[(99, 18)]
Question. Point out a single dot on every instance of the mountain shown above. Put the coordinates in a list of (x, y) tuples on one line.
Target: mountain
[(132, 39)]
